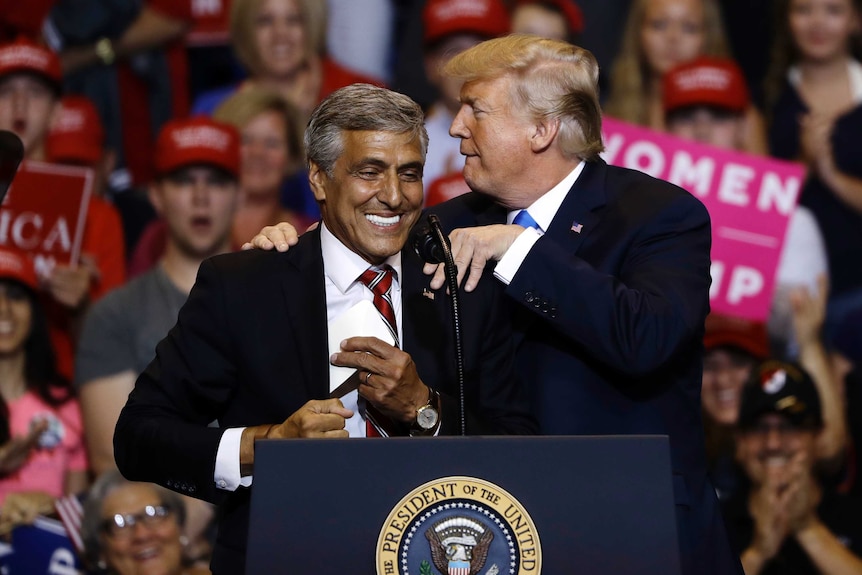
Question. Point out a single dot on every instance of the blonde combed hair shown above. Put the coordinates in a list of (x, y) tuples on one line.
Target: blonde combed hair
[(554, 80), (243, 16), (629, 72)]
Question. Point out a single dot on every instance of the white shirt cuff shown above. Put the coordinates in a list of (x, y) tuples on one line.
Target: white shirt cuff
[(511, 261), (227, 474)]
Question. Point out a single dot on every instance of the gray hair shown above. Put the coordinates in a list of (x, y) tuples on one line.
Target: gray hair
[(91, 524), (359, 107)]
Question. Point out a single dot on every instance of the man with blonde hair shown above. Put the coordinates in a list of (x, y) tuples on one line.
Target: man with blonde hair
[(606, 269)]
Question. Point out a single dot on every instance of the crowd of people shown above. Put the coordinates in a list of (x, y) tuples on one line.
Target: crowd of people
[(192, 118)]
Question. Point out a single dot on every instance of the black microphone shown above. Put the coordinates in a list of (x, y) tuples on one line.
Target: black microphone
[(427, 246), (432, 245), (11, 154)]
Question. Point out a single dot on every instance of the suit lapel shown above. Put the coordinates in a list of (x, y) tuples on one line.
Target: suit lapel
[(578, 215), (421, 313), (305, 298)]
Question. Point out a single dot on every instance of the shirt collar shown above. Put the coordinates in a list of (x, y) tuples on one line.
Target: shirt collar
[(343, 266), (545, 208)]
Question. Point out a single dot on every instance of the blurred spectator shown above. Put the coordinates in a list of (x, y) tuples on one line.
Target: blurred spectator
[(556, 19), (706, 100), (788, 522), (42, 452), (77, 138), (733, 347), (271, 149), (198, 163), (29, 98), (450, 27), (659, 35), (29, 89), (282, 44), (196, 193), (814, 98), (129, 59), (132, 528)]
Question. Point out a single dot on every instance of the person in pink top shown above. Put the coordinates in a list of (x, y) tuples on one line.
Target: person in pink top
[(42, 452)]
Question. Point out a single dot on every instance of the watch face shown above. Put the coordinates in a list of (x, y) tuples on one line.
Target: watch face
[(427, 417)]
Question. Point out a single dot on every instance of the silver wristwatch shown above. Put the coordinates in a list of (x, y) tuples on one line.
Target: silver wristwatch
[(427, 416)]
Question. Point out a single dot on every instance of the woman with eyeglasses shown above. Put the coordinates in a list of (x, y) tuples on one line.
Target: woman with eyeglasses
[(132, 528)]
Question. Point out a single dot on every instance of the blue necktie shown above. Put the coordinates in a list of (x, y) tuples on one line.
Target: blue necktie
[(525, 220)]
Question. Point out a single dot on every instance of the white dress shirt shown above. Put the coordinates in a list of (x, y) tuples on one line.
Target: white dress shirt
[(542, 211), (341, 269)]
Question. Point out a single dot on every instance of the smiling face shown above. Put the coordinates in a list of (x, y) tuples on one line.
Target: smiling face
[(774, 450), (16, 316), (672, 32), (725, 372), (279, 36), (374, 195), (265, 155), (149, 547), (495, 140), (821, 29)]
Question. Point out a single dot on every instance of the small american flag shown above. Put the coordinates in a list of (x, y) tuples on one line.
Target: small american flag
[(71, 512), (576, 227)]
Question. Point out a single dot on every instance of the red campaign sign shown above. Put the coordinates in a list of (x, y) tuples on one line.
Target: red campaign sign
[(45, 211)]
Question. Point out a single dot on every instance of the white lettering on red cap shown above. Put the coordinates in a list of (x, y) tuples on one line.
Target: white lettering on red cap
[(70, 120), (455, 9), (700, 78), (24, 57), (11, 263), (201, 137)]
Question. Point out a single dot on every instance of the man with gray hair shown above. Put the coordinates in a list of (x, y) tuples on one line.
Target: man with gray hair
[(365, 150)]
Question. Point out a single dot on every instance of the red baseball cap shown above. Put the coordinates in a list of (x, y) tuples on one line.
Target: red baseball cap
[(440, 18), (571, 11), (25, 55), (16, 265), (749, 336), (706, 81), (198, 140), (76, 135)]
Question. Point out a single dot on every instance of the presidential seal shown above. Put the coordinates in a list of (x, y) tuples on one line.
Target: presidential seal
[(458, 526)]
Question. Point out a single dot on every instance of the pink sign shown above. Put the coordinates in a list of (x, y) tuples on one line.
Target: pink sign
[(749, 198)]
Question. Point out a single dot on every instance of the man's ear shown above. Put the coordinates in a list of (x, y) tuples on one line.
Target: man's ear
[(544, 133), (154, 194), (318, 180)]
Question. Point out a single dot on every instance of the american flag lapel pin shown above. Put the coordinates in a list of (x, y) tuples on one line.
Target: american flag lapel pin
[(428, 293), (576, 227)]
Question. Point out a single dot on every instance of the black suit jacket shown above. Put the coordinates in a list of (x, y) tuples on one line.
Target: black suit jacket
[(609, 307), (250, 348)]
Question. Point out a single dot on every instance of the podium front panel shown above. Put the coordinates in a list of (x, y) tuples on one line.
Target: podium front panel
[(579, 506)]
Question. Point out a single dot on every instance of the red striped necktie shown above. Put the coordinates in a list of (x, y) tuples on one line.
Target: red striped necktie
[(379, 281)]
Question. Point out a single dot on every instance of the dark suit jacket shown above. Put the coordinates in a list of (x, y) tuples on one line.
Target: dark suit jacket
[(609, 308), (250, 347)]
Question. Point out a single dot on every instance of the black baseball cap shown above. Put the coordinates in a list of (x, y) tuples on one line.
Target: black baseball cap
[(783, 388)]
